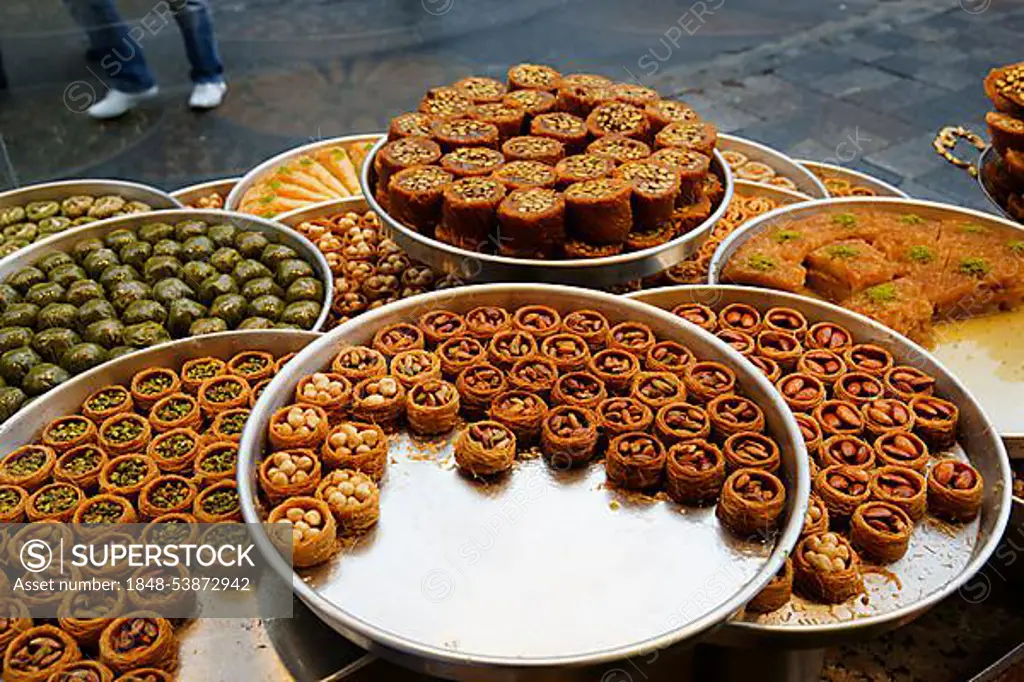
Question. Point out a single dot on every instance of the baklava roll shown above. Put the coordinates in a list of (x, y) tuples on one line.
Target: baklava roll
[(440, 325), (409, 124), (540, 320), (29, 467), (826, 568), (176, 450), (358, 363), (415, 366), (657, 389), (517, 175), (408, 152), (935, 421), (453, 133), (228, 425), (353, 499), (802, 392), (176, 411), (822, 364), (581, 167), (127, 475), (38, 652), (480, 89), (581, 98), (707, 380), (751, 503), (468, 162), (698, 314), (655, 192), (955, 491), (581, 389), (847, 450), (225, 392), (507, 118), (732, 414), (788, 320), (536, 374), (680, 421), (478, 385), (532, 102), (693, 169), (618, 118), (533, 77), (751, 450), (741, 342), (617, 416), (881, 531), (619, 148), (459, 353), (698, 136), (298, 426), (470, 212), (668, 356), (379, 400), (575, 248), (359, 446), (166, 494), (531, 223), (150, 385), (816, 520), (836, 417), (887, 415), (897, 448), (216, 462), (288, 473), (105, 509), (662, 112), (252, 365), (415, 196), (776, 593), (569, 435), (694, 472), (12, 503), (598, 211), (54, 502), (570, 130), (569, 352), (857, 388), (782, 347), (432, 407), (531, 148), (218, 503), (868, 358), (395, 338), (106, 402), (906, 383), (616, 368), (522, 412), (768, 367), (509, 346), (632, 337), (635, 461), (842, 488), (901, 486), (483, 322), (485, 448), (828, 335), (714, 191), (197, 370)]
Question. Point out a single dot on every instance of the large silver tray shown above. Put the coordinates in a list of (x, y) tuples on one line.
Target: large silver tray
[(62, 189), (941, 557), (806, 182), (607, 271), (63, 241), (253, 176), (784, 196), (211, 648), (984, 352), (828, 170), (543, 572), (223, 187), (322, 210)]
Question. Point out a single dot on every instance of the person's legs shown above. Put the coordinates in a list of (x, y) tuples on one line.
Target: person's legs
[(120, 55), (196, 24)]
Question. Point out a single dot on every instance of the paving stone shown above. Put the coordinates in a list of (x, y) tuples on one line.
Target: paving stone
[(897, 97), (909, 159), (855, 80)]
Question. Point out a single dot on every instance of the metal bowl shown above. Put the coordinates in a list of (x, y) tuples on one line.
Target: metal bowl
[(587, 272), (256, 174), (977, 355), (191, 193), (940, 559), (828, 170), (62, 189), (64, 241), (538, 599), (806, 182)]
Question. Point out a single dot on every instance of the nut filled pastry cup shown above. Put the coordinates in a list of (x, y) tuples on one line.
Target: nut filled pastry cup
[(751, 503), (826, 568)]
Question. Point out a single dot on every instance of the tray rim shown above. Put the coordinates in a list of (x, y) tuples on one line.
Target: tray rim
[(788, 164), (356, 202), (439, 659), (860, 175), (186, 192), (871, 625), (136, 189)]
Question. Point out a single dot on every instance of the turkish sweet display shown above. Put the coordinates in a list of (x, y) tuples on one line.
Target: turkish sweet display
[(1005, 88), (552, 167), (135, 287), (745, 168), (510, 383)]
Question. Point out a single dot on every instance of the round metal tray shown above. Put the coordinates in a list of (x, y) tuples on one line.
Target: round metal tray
[(828, 170), (322, 210), (223, 187), (253, 176), (62, 189), (941, 557), (784, 196), (209, 648), (588, 272), (806, 182), (64, 241), (980, 352), (541, 573)]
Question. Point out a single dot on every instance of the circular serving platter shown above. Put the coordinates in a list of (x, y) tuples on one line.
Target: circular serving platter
[(983, 351), (542, 569), (471, 266), (191, 193), (941, 558), (62, 189), (828, 171), (806, 182)]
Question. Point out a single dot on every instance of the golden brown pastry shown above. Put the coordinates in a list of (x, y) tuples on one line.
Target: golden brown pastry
[(955, 491), (485, 448), (881, 531), (826, 568), (776, 593), (635, 461), (751, 503), (569, 435), (353, 498), (903, 487)]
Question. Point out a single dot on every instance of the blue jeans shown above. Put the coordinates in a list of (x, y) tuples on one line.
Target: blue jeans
[(120, 46)]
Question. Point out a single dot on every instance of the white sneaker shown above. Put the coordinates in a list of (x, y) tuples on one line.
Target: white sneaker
[(117, 103), (208, 95)]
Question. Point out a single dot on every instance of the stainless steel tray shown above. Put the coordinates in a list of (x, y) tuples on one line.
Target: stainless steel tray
[(941, 557), (828, 170), (254, 175), (537, 575), (65, 240), (223, 187), (322, 210), (784, 196), (587, 272), (62, 189), (806, 182), (984, 352)]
